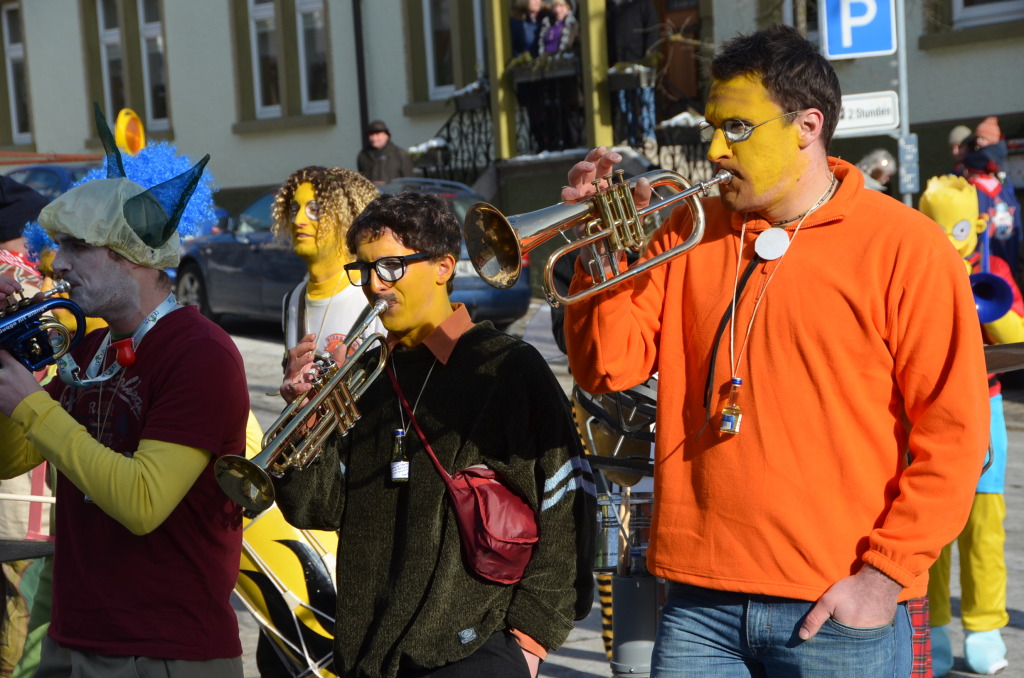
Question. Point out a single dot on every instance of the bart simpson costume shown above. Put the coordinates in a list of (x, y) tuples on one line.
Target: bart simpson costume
[(953, 203)]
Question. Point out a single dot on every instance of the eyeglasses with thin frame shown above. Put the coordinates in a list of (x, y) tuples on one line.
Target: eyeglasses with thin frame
[(734, 129), (389, 269), (312, 210)]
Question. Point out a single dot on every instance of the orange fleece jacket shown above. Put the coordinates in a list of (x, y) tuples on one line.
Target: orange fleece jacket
[(865, 351)]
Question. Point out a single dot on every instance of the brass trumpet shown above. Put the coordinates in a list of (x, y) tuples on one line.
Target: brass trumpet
[(496, 244), (296, 438), (34, 338)]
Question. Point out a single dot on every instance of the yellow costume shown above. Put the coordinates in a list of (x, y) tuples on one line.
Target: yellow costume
[(953, 203)]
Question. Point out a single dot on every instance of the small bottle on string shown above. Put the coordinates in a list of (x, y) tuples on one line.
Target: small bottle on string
[(731, 414), (399, 460)]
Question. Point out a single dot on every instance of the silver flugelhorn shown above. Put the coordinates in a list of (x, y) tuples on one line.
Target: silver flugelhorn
[(496, 244), (296, 438)]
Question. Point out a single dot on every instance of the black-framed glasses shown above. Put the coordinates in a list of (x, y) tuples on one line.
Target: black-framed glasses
[(735, 129), (312, 210), (389, 269)]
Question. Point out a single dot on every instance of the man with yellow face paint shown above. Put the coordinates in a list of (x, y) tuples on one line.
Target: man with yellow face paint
[(953, 203), (409, 605), (314, 209), (822, 410)]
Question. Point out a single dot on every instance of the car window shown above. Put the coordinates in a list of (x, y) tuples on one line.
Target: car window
[(79, 173), (46, 181), (256, 217), (461, 206)]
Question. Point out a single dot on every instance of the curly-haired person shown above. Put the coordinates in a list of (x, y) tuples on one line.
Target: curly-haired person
[(313, 209)]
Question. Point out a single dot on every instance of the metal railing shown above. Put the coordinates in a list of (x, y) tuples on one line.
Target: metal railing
[(462, 149)]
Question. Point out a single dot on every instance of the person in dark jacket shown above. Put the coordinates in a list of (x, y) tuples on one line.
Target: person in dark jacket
[(409, 606), (381, 160)]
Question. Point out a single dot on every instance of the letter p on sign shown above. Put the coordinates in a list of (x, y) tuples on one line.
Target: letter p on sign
[(857, 28), (849, 21)]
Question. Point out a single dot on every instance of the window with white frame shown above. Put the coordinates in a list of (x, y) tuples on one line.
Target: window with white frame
[(154, 69), (263, 39), (979, 12), (282, 49), (312, 33), (111, 61), (448, 47), (17, 86), (437, 27)]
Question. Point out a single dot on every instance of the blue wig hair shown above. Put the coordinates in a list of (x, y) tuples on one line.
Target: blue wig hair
[(153, 165)]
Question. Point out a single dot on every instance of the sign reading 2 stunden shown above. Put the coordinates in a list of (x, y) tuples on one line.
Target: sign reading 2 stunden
[(857, 28)]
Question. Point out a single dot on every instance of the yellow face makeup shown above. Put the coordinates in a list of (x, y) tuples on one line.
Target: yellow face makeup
[(766, 166), (312, 238), (418, 301)]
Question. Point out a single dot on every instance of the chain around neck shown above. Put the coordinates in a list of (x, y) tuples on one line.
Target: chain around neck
[(401, 413), (821, 201)]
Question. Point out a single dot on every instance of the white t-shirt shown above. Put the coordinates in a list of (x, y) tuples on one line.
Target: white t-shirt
[(330, 319)]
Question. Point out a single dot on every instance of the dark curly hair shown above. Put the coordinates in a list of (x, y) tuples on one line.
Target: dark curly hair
[(792, 69), (342, 195), (419, 221)]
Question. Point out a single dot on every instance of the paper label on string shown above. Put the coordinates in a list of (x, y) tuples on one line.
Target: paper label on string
[(772, 244)]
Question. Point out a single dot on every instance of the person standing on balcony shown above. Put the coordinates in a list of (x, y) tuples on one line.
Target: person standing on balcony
[(559, 31), (525, 26), (381, 160)]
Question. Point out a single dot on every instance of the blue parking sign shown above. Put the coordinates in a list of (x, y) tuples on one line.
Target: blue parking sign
[(857, 28)]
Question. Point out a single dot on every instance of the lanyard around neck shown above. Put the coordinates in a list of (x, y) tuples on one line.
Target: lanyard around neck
[(68, 368)]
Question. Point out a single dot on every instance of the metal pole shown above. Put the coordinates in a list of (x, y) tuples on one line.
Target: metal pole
[(901, 60)]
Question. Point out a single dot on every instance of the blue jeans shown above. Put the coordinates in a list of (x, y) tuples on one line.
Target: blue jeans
[(704, 632)]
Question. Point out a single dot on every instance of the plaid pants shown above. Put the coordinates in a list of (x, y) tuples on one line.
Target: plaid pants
[(922, 639)]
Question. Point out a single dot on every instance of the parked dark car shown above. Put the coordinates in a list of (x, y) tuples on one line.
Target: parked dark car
[(245, 271), (50, 180), (242, 270)]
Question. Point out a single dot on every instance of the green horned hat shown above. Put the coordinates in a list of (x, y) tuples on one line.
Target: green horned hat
[(139, 224)]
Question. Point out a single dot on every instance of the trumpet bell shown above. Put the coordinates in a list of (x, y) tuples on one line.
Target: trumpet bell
[(245, 483), (992, 296), (496, 243), (495, 253), (296, 438)]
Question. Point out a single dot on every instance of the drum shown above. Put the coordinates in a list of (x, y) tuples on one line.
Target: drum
[(621, 452), (286, 581), (637, 531)]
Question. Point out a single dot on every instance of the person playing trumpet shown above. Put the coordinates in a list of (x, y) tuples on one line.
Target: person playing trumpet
[(822, 408), (147, 546), (408, 604), (953, 203)]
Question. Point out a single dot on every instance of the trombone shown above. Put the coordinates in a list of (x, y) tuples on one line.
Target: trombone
[(496, 244), (296, 438)]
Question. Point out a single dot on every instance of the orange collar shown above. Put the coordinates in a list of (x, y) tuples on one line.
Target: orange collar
[(441, 342)]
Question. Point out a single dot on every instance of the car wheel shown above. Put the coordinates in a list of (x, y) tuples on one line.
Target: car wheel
[(192, 290)]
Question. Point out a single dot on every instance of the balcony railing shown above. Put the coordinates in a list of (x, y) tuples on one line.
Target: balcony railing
[(463, 148)]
